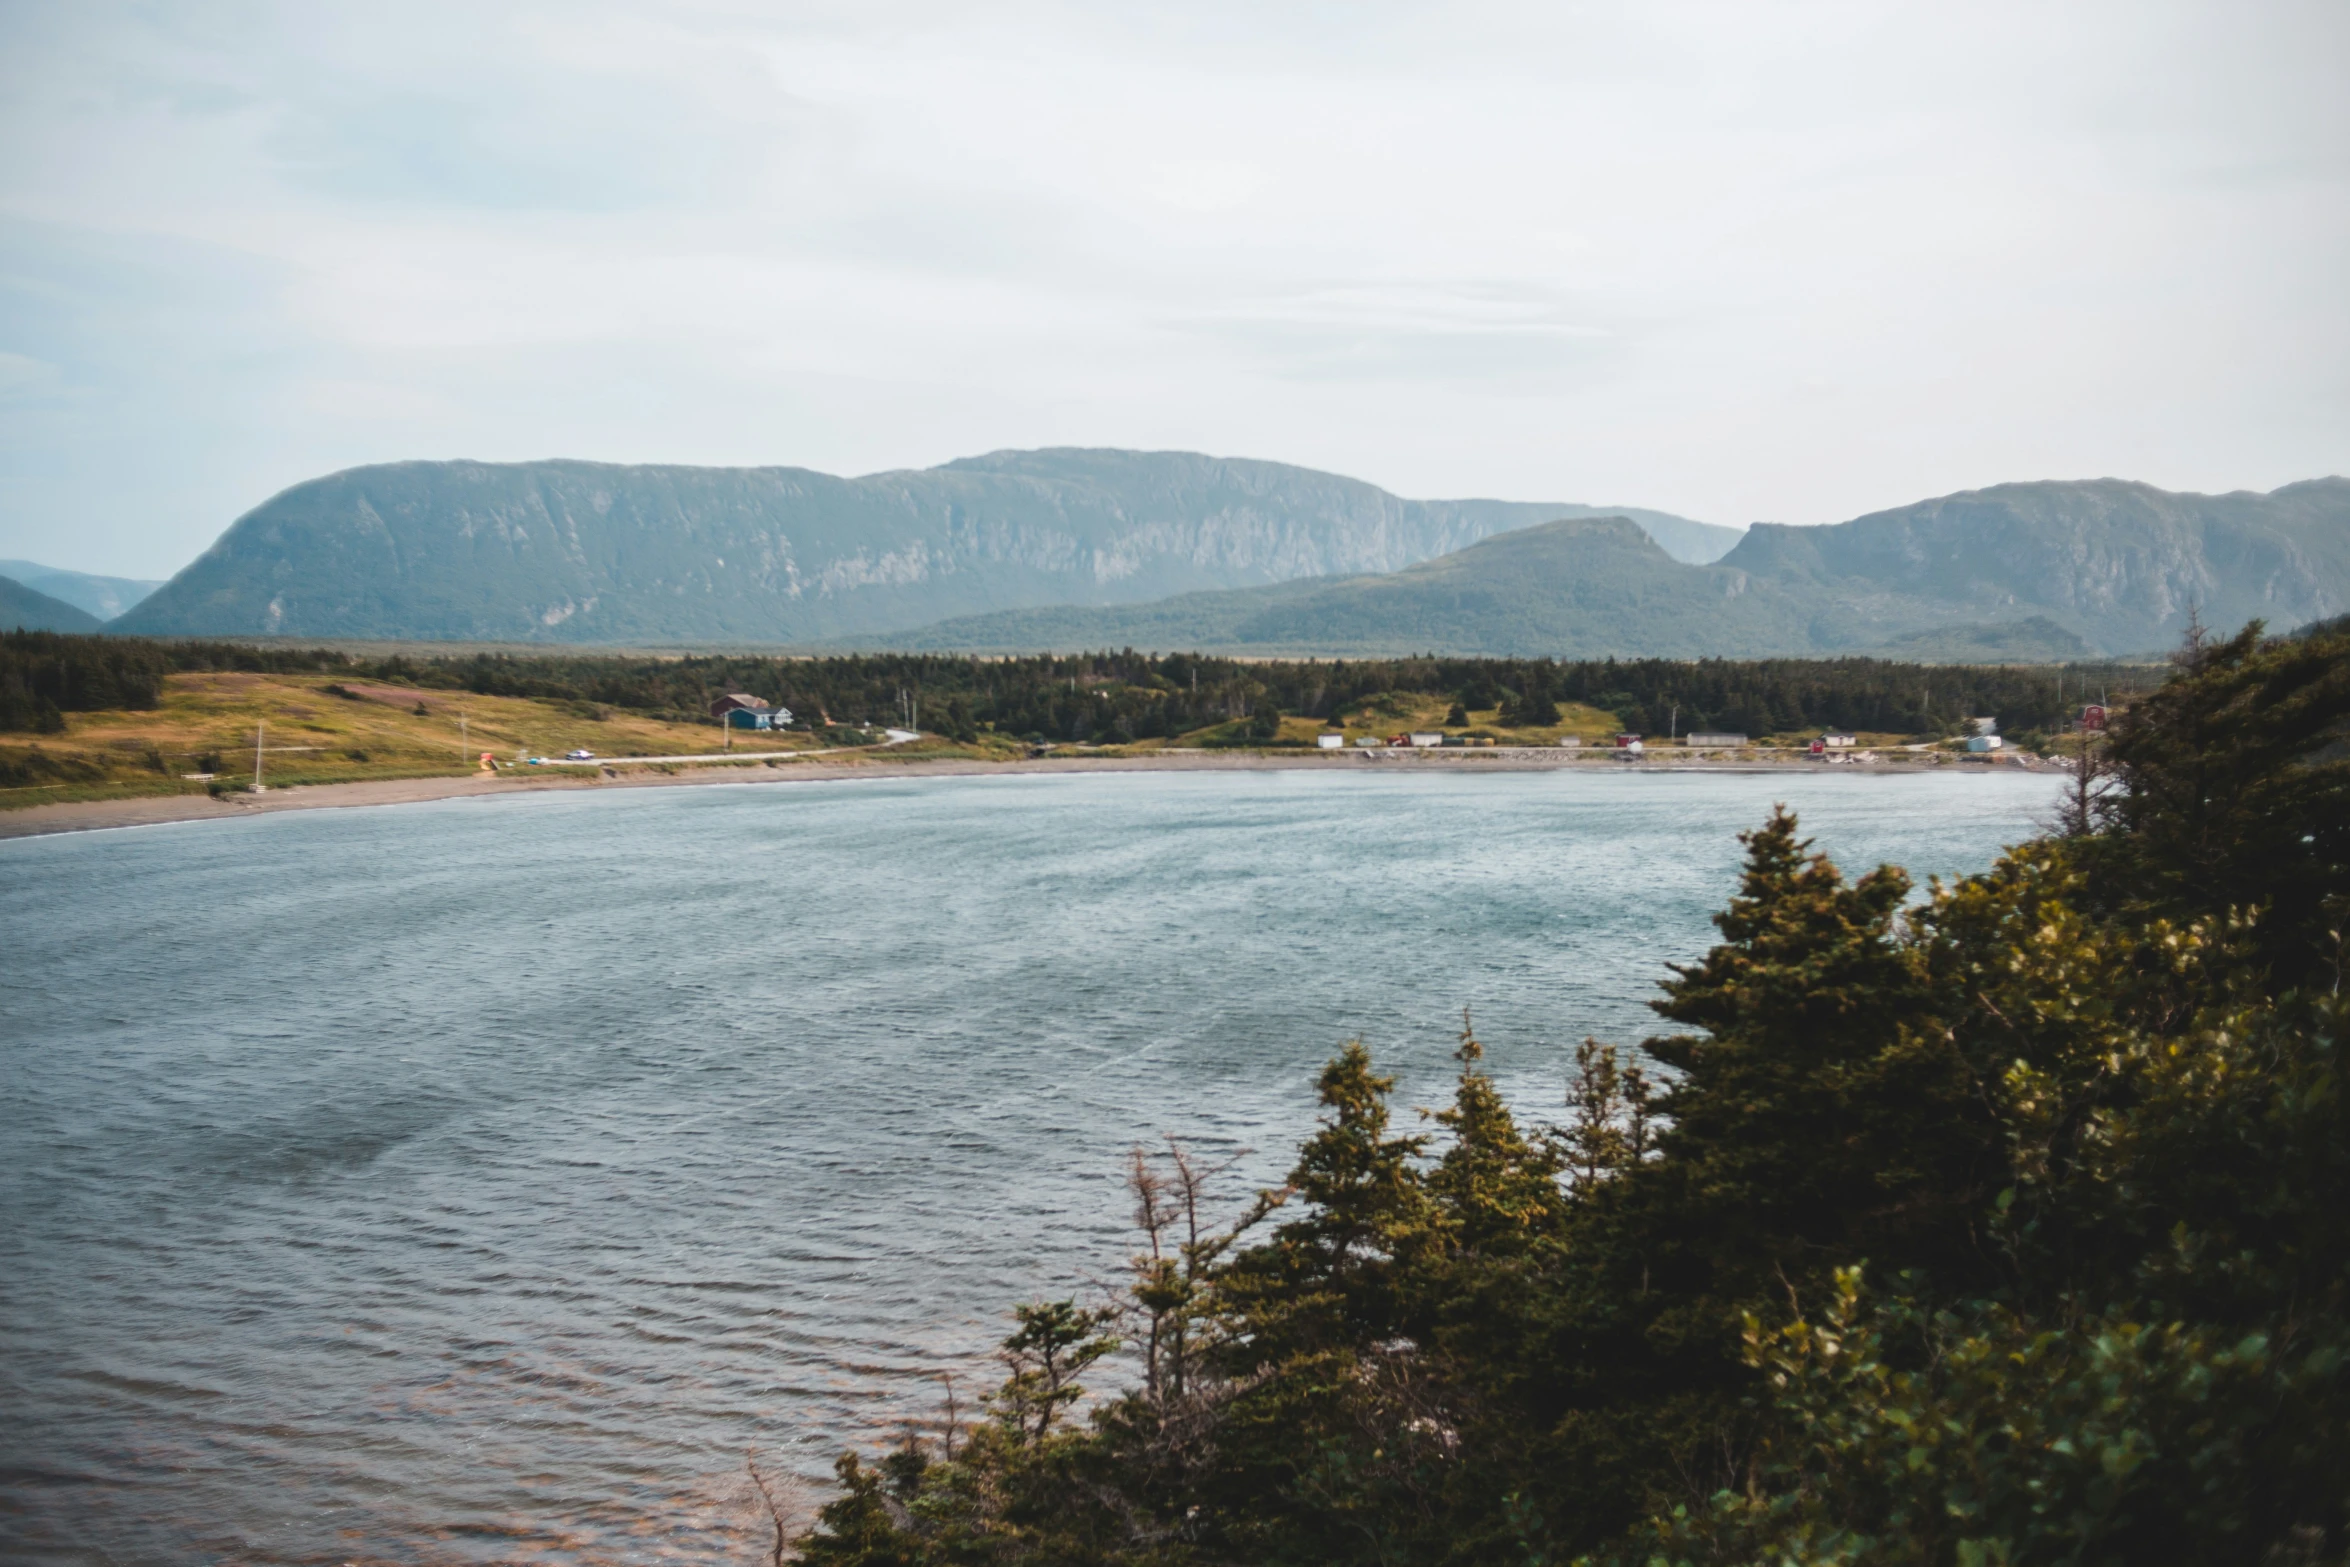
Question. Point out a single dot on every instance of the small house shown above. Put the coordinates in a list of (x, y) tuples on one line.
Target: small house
[(2093, 716), (1426, 740), (1836, 741), (1710, 740), (1330, 742), (739, 710)]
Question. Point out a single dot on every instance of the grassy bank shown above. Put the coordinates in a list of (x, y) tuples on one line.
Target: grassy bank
[(314, 729)]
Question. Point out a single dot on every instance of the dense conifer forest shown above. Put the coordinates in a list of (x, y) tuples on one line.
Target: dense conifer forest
[(2005, 1224), (1104, 698)]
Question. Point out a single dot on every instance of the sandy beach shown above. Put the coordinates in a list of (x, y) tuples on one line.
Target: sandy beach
[(96, 815)]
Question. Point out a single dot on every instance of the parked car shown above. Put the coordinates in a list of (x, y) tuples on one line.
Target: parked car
[(583, 754)]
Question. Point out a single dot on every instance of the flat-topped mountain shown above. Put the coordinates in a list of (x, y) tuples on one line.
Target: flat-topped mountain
[(593, 552), (2019, 573)]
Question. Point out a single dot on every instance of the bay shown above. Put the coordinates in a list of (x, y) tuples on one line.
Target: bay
[(479, 1180)]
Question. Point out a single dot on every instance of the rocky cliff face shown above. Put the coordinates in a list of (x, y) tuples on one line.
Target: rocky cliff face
[(590, 552)]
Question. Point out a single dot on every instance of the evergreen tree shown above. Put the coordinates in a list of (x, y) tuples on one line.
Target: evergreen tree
[(2011, 1229), (1495, 1191), (1531, 706), (2236, 792)]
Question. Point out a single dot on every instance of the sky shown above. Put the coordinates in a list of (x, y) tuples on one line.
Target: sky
[(1742, 261)]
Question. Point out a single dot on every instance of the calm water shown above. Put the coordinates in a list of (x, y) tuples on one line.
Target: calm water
[(480, 1180)]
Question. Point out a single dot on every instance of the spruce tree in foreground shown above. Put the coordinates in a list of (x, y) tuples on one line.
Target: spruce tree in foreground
[(2009, 1227)]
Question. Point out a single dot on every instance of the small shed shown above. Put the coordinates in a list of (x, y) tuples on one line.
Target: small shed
[(1836, 740), (1330, 742), (1426, 739), (1627, 742), (1982, 742), (2093, 716)]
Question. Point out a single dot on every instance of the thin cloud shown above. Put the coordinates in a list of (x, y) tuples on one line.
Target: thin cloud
[(1797, 262)]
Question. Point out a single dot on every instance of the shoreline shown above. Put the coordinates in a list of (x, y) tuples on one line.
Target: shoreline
[(34, 821)]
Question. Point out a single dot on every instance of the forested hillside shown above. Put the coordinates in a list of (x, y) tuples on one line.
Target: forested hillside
[(2007, 1226), (27, 609), (1578, 588), (102, 598), (2122, 565)]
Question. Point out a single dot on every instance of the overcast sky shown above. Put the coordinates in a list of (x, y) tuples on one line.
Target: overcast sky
[(1739, 261)]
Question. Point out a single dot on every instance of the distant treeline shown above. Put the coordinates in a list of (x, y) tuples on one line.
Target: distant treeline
[(1103, 697), (47, 674)]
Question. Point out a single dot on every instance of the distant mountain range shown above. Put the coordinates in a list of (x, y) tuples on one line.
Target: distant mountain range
[(2016, 573), (104, 597), (24, 609), (1070, 548), (583, 552)]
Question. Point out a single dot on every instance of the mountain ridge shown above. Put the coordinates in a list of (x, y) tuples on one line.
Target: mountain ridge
[(2049, 569), (576, 552), (104, 597), (2116, 561), (28, 609)]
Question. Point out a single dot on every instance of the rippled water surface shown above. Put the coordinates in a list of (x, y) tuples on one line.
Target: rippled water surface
[(476, 1181)]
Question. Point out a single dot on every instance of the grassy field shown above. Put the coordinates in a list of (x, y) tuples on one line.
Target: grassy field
[(316, 730)]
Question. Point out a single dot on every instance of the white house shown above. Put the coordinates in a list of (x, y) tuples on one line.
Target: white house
[(1330, 742)]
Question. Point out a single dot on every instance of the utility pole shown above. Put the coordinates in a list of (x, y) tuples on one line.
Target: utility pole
[(259, 729), (464, 740)]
